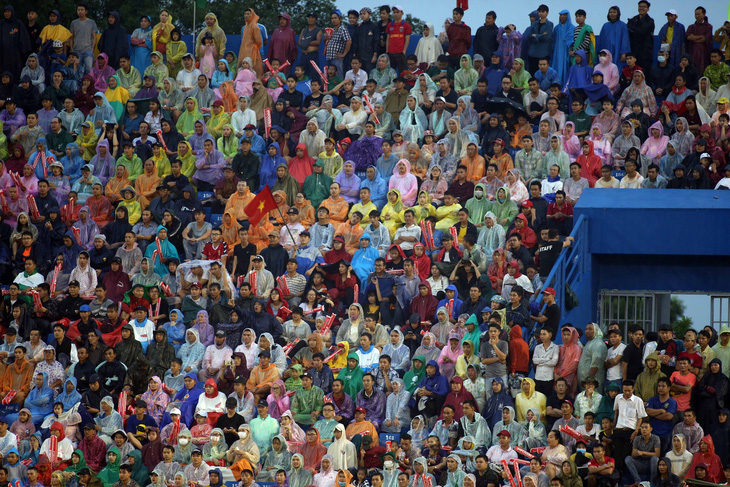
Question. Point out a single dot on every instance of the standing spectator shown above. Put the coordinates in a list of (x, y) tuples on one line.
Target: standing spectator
[(545, 358), (309, 41), (683, 381), (541, 39), (367, 40), (114, 42), (641, 36), (661, 409), (699, 40), (459, 37), (338, 43), (678, 34), (383, 28), (485, 40), (16, 43), (632, 360), (399, 36), (614, 37), (283, 43), (83, 41), (629, 414), (251, 42)]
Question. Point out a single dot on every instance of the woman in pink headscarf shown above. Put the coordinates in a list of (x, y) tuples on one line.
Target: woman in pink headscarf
[(156, 399), (571, 143), (405, 182), (568, 358), (449, 354), (278, 400), (656, 145), (601, 143)]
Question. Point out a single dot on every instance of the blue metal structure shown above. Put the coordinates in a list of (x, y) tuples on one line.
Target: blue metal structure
[(643, 240)]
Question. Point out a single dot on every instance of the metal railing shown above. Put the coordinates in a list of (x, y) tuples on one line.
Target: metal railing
[(569, 268)]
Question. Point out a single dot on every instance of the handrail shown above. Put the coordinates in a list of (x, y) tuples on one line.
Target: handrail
[(569, 267)]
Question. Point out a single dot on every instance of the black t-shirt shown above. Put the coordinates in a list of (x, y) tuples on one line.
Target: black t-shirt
[(480, 101), (549, 252), (552, 313), (313, 100), (452, 97), (225, 422), (294, 99), (243, 257), (633, 357), (554, 402)]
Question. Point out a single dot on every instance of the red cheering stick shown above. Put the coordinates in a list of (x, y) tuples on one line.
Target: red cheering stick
[(33, 207), (4, 203), (510, 477), (252, 281), (328, 31), (429, 231), (77, 234), (275, 72), (319, 72), (160, 139), (332, 356), (288, 347), (154, 256), (9, 397), (427, 482), (571, 432), (450, 308), (166, 290), (159, 246), (524, 453), (241, 280), (395, 272), (519, 462), (328, 322), (370, 107), (53, 449), (539, 450), (18, 181), (518, 475), (44, 166), (54, 279), (314, 310), (122, 405), (283, 285), (454, 235), (267, 121), (36, 298), (356, 291)]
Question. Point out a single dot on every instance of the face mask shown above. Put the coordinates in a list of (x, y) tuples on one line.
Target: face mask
[(661, 59), (388, 464), (601, 58), (341, 484), (478, 194), (243, 434), (215, 439), (184, 441), (581, 450)]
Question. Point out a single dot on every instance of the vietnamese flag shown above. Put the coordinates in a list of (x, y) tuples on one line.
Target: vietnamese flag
[(260, 206)]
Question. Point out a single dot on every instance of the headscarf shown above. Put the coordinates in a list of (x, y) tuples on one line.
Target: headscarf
[(117, 98), (466, 77), (492, 412), (156, 400), (429, 48)]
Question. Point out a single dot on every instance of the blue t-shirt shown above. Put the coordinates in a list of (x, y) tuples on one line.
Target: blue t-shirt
[(662, 428), (133, 422)]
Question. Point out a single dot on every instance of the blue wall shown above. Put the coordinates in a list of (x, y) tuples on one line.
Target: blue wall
[(657, 240)]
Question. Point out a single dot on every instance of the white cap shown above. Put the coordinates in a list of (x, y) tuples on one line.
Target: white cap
[(175, 411), (671, 11), (705, 154), (398, 7)]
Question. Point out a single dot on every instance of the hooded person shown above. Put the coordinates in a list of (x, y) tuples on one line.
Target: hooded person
[(352, 375), (535, 434), (277, 458), (454, 474), (299, 476), (404, 182), (529, 399), (679, 456), (40, 399), (646, 382), (187, 398), (637, 90), (711, 392), (421, 477), (609, 70), (429, 48), (102, 113), (109, 475), (655, 146), (707, 457), (437, 385)]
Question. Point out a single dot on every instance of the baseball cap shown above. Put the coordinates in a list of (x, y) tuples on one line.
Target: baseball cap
[(249, 127), (671, 11), (74, 283), (293, 211), (307, 375), (499, 141), (218, 103), (549, 290), (527, 204), (89, 426), (705, 154), (220, 333), (265, 353), (397, 7), (566, 401), (263, 404), (197, 284), (196, 451), (360, 410), (175, 411), (312, 14), (85, 307), (504, 433)]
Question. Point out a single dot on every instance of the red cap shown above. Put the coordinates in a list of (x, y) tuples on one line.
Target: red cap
[(504, 433), (527, 204), (218, 103), (549, 290), (360, 410), (197, 284), (499, 141)]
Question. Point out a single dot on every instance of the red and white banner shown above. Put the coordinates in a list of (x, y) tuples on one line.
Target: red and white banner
[(122, 404), (524, 452), (275, 72), (283, 286), (267, 121), (9, 397), (450, 308), (166, 290), (314, 311), (289, 346), (53, 449), (320, 73), (4, 203), (160, 139), (77, 234), (252, 281), (455, 235), (571, 432), (356, 293)]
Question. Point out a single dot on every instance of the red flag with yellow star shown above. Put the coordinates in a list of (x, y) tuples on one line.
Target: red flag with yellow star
[(260, 206)]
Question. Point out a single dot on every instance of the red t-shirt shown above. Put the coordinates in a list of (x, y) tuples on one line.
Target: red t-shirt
[(397, 34), (683, 380), (594, 463), (215, 253)]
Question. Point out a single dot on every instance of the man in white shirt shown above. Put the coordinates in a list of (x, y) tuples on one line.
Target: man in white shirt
[(502, 450), (545, 358), (409, 234), (187, 78), (357, 75), (629, 413), (614, 355), (248, 347)]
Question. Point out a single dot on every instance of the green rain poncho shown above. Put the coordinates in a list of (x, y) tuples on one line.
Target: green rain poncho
[(504, 208), (186, 123), (414, 376), (110, 474), (594, 355), (352, 377), (465, 79), (140, 474), (76, 468), (478, 207)]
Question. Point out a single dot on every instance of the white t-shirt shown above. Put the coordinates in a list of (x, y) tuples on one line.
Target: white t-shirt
[(614, 373)]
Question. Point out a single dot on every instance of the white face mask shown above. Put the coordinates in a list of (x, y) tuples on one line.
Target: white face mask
[(388, 464), (661, 59), (478, 193), (215, 439), (243, 434), (184, 441)]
